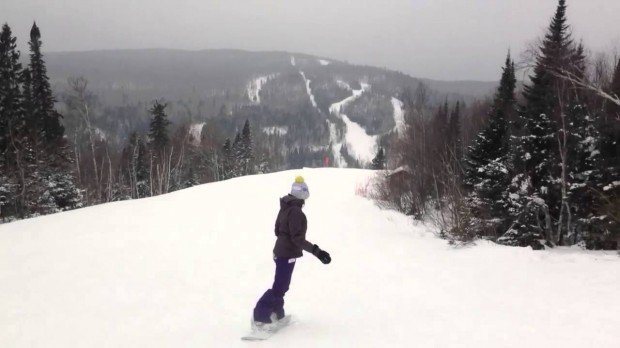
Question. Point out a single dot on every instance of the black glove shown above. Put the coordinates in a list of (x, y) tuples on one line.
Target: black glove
[(321, 254)]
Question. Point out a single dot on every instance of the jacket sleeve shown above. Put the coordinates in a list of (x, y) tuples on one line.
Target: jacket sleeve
[(277, 228), (297, 227)]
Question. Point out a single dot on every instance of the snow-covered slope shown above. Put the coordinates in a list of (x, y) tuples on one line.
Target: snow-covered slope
[(399, 115), (195, 131), (360, 145), (254, 87), (309, 90), (185, 270)]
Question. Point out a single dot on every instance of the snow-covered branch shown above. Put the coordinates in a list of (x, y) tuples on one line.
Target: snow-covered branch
[(585, 84)]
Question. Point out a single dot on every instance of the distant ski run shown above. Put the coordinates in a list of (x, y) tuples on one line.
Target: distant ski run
[(309, 90), (360, 144), (399, 116)]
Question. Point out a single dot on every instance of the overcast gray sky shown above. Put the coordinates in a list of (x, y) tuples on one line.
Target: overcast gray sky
[(440, 39)]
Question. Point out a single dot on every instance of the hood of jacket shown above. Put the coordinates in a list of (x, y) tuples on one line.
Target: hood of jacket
[(290, 201)]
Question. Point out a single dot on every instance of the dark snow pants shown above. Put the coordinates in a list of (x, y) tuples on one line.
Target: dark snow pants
[(272, 300)]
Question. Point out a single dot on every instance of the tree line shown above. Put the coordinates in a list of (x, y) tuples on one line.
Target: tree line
[(45, 169), (35, 167), (544, 167)]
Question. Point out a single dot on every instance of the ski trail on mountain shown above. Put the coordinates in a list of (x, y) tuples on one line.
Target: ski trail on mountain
[(359, 144), (309, 90), (195, 131), (399, 116), (280, 131), (255, 86)]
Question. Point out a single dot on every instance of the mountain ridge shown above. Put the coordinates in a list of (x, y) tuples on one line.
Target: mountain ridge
[(478, 88)]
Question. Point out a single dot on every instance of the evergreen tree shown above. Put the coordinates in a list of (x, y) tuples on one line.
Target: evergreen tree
[(487, 161), (378, 163), (27, 101), (11, 124), (530, 221), (44, 121), (236, 156), (11, 113), (542, 109), (62, 189), (609, 127), (247, 149), (46, 166), (583, 172), (537, 193), (555, 152), (158, 133), (7, 193), (606, 215)]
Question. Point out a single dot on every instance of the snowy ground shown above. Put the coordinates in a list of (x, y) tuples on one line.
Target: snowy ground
[(336, 143), (185, 270)]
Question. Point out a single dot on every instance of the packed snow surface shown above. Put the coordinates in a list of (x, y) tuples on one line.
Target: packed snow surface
[(185, 270), (275, 130), (324, 62), (399, 116), (359, 144), (336, 143), (308, 89), (254, 87), (195, 130)]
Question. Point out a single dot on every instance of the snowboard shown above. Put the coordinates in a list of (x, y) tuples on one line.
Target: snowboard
[(260, 335)]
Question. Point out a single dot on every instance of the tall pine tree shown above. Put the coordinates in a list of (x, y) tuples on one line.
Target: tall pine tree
[(247, 150), (542, 107), (158, 133), (44, 121), (606, 217), (237, 156), (49, 180), (539, 198), (487, 161), (11, 123), (11, 112)]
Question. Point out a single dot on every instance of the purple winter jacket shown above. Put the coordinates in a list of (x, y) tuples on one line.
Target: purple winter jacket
[(291, 225)]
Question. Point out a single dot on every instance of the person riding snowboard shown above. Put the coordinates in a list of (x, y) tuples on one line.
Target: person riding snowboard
[(290, 230)]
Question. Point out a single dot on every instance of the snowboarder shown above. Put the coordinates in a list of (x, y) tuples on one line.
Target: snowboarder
[(290, 231)]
